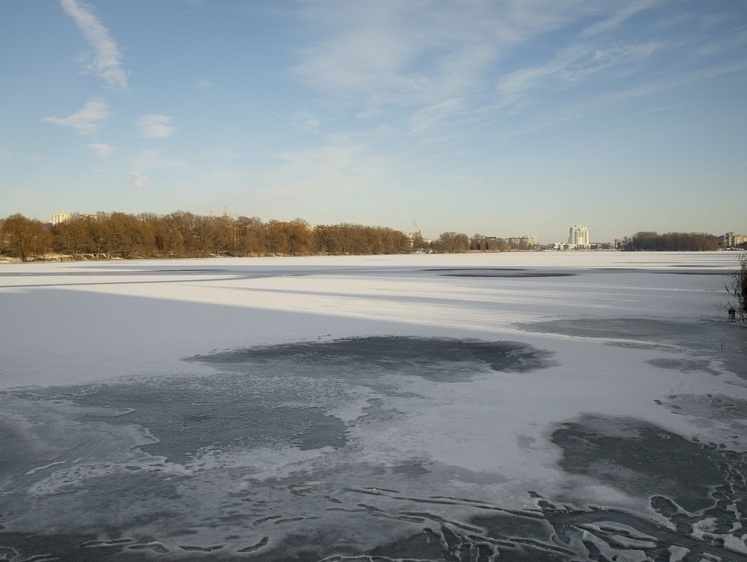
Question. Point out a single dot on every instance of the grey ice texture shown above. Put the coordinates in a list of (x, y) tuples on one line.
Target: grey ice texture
[(362, 439)]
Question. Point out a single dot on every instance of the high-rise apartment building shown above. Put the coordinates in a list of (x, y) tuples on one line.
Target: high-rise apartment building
[(58, 218), (578, 235), (733, 239)]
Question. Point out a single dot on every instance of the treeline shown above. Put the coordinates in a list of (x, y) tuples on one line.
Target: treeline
[(185, 235), (672, 242)]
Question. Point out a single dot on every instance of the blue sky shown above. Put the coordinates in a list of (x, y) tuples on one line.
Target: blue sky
[(502, 117)]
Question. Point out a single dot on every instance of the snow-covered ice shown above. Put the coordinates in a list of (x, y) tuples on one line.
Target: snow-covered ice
[(536, 406)]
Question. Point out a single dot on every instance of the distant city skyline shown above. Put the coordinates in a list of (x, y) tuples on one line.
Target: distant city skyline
[(501, 118)]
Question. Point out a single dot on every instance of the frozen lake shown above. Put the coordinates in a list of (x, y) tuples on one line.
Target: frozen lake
[(523, 406)]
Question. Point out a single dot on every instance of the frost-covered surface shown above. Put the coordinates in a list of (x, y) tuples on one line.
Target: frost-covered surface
[(543, 406)]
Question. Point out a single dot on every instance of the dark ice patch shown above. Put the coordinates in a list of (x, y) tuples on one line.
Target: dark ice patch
[(499, 525), (723, 341), (54, 546), (624, 328), (640, 459), (187, 415), (684, 365), (499, 272), (666, 363), (420, 546), (413, 468), (353, 357), (698, 271), (121, 500), (714, 406), (17, 452)]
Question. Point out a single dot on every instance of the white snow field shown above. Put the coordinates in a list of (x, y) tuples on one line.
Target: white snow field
[(517, 406)]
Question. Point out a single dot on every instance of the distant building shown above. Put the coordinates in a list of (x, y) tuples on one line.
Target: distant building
[(734, 240), (523, 242), (58, 218), (578, 236), (578, 239)]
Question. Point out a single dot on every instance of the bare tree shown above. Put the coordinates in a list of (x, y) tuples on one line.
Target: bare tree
[(252, 237), (737, 288), (182, 234), (451, 243), (26, 237)]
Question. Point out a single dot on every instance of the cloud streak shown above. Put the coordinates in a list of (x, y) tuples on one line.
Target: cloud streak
[(86, 120), (332, 168), (152, 160), (680, 80), (100, 149), (572, 65), (433, 116), (107, 58), (138, 179), (147, 160), (423, 68), (410, 53), (617, 18), (155, 126)]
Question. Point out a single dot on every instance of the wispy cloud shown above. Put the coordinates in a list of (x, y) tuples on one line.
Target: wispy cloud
[(680, 80), (100, 149), (572, 65), (436, 65), (432, 116), (540, 124), (411, 53), (86, 120), (627, 10), (734, 42), (138, 179), (331, 168), (148, 160), (107, 59), (152, 159), (155, 126), (305, 121)]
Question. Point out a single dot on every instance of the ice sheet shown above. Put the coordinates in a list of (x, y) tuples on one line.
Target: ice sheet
[(402, 407)]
